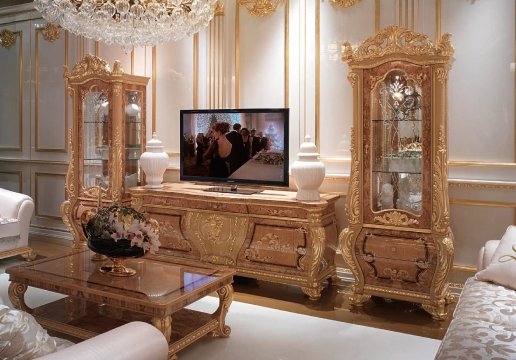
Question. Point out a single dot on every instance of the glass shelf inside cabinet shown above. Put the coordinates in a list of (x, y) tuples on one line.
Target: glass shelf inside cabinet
[(95, 139), (133, 137), (396, 143)]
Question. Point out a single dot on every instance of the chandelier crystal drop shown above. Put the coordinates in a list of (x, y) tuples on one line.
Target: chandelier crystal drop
[(129, 23)]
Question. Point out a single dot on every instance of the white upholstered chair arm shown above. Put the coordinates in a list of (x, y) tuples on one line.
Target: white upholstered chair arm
[(133, 341), (485, 254)]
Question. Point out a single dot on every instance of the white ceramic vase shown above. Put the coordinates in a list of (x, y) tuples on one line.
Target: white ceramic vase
[(308, 171), (154, 162)]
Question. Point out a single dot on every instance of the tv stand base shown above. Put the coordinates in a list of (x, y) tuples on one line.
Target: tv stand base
[(268, 235)]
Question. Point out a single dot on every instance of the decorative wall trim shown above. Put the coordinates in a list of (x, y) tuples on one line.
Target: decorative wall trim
[(481, 164), (154, 56), (37, 212), (317, 75), (196, 70), (7, 38), (344, 3), (485, 203), (261, 8), (20, 84), (20, 177), (50, 33), (481, 185)]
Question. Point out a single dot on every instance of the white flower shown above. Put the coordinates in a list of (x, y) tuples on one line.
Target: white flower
[(119, 232)]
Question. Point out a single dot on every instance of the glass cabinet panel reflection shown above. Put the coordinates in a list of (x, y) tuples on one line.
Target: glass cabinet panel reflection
[(396, 139)]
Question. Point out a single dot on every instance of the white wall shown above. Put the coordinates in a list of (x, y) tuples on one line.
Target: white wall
[(289, 58)]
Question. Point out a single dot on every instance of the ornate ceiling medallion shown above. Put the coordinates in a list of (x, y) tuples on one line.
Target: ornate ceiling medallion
[(7, 38), (344, 3), (260, 8)]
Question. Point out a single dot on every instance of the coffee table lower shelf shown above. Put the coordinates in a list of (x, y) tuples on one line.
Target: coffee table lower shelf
[(83, 320)]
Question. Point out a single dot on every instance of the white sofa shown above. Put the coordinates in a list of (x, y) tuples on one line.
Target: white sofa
[(15, 214), (22, 338), (484, 320)]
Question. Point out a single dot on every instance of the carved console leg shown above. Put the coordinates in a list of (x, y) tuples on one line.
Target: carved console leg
[(225, 299), (313, 293), (359, 299), (437, 309), (164, 325), (16, 294)]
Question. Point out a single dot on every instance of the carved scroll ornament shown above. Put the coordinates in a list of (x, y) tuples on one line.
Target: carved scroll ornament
[(344, 3), (398, 40), (7, 38), (51, 32), (260, 8)]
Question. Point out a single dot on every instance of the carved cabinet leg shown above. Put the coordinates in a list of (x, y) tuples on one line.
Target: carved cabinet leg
[(313, 293)]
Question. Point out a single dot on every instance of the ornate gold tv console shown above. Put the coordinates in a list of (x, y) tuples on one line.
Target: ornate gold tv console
[(268, 235)]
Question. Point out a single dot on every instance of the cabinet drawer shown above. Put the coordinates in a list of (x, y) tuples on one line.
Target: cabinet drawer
[(404, 249)]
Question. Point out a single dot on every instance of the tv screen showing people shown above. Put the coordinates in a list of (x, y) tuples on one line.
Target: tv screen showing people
[(248, 146)]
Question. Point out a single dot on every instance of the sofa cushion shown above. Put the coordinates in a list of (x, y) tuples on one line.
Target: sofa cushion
[(21, 337), (487, 302), (476, 339), (502, 268), (9, 227)]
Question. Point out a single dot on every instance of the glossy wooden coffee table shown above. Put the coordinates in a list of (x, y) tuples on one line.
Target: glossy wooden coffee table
[(98, 302)]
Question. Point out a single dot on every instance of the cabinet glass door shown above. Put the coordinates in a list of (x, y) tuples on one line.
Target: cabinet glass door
[(396, 139), (133, 137), (95, 114)]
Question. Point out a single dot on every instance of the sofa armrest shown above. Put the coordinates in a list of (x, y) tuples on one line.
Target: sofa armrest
[(485, 254), (133, 341)]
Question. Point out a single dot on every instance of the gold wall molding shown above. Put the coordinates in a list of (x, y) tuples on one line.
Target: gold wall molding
[(237, 54), (260, 8), (7, 38), (485, 203), (481, 164), (481, 185), (344, 3), (219, 8), (50, 33)]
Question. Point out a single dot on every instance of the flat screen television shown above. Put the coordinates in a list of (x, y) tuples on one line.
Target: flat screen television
[(259, 158)]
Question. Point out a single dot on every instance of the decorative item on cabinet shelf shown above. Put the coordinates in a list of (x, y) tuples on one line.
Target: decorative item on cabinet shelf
[(154, 162), (120, 232), (308, 171)]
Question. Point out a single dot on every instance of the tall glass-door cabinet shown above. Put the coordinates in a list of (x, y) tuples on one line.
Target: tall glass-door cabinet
[(398, 242), (106, 140)]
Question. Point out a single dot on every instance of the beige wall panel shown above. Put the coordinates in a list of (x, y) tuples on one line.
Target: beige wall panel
[(388, 12), (482, 171), (472, 226), (50, 119), (174, 89), (49, 194), (11, 91), (481, 82), (11, 180), (483, 192), (262, 59), (110, 53), (338, 25)]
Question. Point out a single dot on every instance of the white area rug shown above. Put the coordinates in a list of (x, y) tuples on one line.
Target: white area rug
[(268, 334)]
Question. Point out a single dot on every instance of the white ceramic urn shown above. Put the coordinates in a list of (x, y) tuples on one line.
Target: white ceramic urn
[(308, 171), (154, 162)]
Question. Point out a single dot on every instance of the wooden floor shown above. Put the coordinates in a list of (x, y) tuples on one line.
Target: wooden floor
[(380, 313)]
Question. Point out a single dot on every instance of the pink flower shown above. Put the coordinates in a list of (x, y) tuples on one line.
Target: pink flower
[(119, 232)]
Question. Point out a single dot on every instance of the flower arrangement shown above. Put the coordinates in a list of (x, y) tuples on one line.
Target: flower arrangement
[(118, 223)]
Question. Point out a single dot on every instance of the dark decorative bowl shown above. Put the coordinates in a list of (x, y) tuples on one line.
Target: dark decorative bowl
[(119, 249)]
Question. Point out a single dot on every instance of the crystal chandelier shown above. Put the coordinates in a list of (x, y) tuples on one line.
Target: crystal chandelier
[(129, 23)]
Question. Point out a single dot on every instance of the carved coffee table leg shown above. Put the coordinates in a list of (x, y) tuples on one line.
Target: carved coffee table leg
[(225, 299), (164, 325), (16, 294)]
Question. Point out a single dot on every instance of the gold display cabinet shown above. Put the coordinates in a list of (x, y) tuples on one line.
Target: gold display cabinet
[(106, 140), (398, 243)]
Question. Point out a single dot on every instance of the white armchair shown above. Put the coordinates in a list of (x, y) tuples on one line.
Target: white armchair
[(15, 214)]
